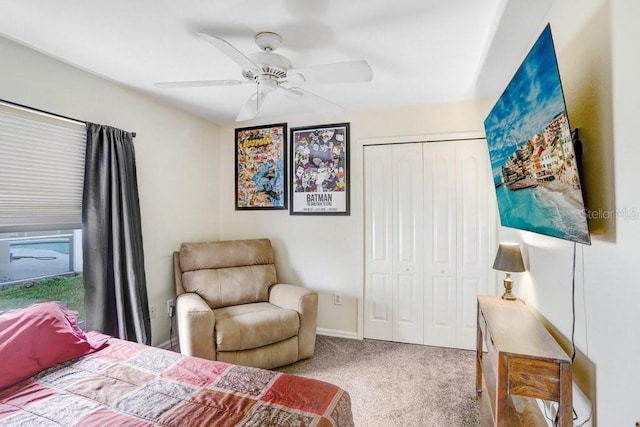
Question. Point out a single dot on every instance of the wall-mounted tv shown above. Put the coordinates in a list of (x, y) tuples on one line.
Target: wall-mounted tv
[(534, 164)]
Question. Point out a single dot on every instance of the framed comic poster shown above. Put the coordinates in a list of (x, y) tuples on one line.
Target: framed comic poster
[(320, 170), (261, 167)]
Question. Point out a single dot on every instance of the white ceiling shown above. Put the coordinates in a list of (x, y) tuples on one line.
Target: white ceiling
[(421, 51)]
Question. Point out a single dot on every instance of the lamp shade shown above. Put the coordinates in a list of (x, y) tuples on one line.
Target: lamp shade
[(509, 258)]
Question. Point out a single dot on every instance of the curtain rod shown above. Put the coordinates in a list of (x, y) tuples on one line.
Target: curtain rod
[(49, 113)]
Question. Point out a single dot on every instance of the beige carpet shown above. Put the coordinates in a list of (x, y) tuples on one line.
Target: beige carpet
[(394, 384)]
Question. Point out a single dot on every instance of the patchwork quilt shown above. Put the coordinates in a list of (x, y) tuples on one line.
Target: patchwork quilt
[(129, 384)]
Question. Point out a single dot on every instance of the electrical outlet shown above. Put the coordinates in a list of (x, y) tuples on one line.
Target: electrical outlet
[(152, 311), (337, 299), (171, 307)]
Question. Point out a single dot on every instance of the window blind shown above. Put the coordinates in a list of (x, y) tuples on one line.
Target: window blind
[(41, 170)]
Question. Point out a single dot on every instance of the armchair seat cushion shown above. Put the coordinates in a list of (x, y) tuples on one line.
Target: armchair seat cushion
[(247, 326)]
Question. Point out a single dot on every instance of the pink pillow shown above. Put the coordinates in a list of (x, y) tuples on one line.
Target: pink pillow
[(35, 338)]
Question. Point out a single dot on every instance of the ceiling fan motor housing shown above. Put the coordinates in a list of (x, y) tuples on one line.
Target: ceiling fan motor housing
[(271, 64)]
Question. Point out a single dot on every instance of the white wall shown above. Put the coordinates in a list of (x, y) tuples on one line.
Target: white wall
[(175, 154), (597, 44), (324, 252)]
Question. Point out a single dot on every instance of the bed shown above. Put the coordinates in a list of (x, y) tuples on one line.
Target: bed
[(117, 382)]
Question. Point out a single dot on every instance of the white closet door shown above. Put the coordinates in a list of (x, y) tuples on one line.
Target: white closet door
[(440, 279), (378, 317), (458, 226), (408, 223), (393, 229), (473, 233), (429, 226)]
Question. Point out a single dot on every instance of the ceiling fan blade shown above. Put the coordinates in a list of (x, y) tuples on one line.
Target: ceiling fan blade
[(200, 83), (229, 50), (251, 108), (313, 101), (339, 72)]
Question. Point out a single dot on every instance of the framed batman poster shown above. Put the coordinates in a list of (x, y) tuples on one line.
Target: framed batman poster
[(319, 183)]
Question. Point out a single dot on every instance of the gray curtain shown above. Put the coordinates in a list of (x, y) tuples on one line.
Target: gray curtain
[(114, 277)]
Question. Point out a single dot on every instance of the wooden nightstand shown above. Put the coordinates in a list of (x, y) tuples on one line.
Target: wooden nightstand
[(523, 362)]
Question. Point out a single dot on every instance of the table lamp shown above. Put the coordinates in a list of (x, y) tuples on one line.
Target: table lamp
[(509, 260)]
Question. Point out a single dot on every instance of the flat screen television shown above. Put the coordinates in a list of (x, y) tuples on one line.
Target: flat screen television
[(533, 160)]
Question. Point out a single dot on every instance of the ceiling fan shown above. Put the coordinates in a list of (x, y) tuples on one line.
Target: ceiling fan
[(270, 71)]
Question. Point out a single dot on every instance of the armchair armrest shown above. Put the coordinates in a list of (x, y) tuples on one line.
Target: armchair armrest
[(305, 302), (195, 326)]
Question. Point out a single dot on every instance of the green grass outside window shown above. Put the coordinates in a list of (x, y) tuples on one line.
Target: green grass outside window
[(69, 290)]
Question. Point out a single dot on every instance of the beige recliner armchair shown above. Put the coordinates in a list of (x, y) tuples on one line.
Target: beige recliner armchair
[(229, 306)]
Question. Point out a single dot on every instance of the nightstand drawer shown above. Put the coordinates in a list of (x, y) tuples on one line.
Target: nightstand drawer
[(535, 378)]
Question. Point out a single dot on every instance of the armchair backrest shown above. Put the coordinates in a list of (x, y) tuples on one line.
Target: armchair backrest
[(228, 272)]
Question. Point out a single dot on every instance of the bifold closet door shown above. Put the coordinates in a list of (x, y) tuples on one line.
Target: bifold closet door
[(393, 241), (440, 244), (458, 225), (428, 223), (476, 230)]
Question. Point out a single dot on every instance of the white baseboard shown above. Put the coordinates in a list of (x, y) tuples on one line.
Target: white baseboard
[(337, 333)]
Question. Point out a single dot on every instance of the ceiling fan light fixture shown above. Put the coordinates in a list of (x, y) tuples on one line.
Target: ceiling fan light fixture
[(266, 84)]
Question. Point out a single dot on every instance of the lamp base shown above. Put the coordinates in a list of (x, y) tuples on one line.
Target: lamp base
[(509, 296), (508, 287)]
